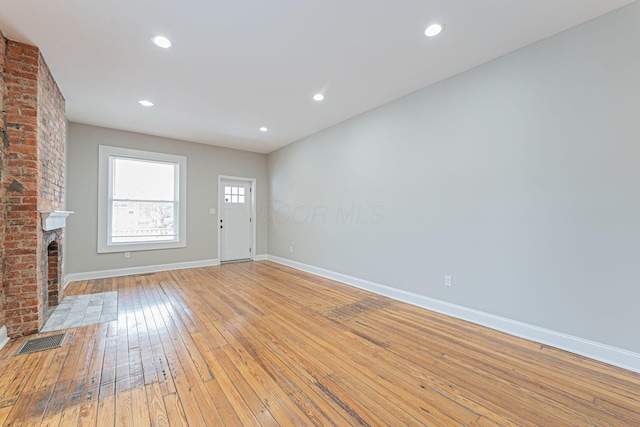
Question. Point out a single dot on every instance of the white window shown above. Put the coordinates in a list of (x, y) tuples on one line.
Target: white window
[(141, 200)]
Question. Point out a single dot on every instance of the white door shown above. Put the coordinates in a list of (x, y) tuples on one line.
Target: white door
[(235, 220)]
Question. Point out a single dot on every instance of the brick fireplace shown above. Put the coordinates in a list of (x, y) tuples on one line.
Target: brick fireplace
[(32, 163)]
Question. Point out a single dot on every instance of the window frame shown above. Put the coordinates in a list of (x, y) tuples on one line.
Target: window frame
[(105, 191)]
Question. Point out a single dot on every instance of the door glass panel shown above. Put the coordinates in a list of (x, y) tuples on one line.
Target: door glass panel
[(234, 194)]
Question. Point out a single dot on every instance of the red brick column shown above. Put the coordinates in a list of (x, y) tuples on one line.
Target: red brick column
[(22, 241), (3, 166), (51, 165)]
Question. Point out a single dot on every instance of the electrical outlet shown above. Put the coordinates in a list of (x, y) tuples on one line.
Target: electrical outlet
[(291, 249), (127, 254), (212, 211), (447, 281)]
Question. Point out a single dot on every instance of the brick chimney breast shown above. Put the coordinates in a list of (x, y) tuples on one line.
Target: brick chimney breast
[(32, 173)]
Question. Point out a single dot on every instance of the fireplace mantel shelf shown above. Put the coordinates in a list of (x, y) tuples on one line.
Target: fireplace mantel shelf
[(52, 220)]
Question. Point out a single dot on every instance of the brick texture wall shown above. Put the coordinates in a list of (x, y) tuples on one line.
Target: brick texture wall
[(22, 304), (51, 142), (33, 180), (51, 165), (3, 165)]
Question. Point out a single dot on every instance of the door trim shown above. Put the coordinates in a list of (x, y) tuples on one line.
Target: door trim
[(252, 183)]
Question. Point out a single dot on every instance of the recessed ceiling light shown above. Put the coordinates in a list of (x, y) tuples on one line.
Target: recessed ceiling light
[(145, 103), (161, 41), (318, 97), (263, 129), (433, 30)]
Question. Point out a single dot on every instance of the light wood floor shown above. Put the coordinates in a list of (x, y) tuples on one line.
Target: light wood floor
[(261, 344)]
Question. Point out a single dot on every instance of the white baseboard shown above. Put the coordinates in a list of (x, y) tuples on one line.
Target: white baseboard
[(4, 339), (102, 274), (591, 349), (260, 257)]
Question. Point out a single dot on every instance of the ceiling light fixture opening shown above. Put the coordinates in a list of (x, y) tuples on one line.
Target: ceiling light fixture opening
[(433, 30), (263, 129), (145, 103), (161, 41), (318, 97)]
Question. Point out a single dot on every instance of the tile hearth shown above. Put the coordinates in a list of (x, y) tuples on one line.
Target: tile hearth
[(82, 310)]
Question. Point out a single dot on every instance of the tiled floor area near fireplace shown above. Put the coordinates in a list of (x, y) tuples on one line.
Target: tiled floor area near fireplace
[(82, 310)]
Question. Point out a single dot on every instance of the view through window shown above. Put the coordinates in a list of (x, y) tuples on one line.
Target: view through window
[(143, 204)]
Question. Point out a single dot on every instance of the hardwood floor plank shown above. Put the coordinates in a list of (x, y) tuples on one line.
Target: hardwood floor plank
[(20, 379), (124, 408), (194, 401), (81, 390), (157, 410), (550, 387), (51, 421), (261, 344), (225, 409), (70, 416), (133, 351), (96, 363), (122, 377), (107, 411), (389, 392), (157, 352), (325, 390), (284, 411), (165, 353), (175, 411), (140, 407), (301, 385), (108, 371), (4, 413), (341, 384), (433, 346), (37, 391), (10, 349), (88, 415), (233, 390)]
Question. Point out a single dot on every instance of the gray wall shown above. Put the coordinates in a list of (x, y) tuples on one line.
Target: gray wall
[(520, 178), (204, 164)]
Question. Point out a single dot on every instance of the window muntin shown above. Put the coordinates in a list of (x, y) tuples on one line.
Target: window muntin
[(233, 194)]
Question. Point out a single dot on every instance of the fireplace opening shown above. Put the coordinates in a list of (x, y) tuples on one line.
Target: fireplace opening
[(52, 288)]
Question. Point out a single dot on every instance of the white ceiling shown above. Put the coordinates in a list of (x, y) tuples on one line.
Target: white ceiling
[(237, 65)]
